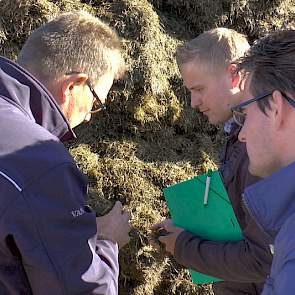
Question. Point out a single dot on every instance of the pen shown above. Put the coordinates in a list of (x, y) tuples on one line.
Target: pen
[(208, 181)]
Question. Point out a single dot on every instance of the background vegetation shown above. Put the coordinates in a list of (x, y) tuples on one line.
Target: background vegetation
[(149, 137)]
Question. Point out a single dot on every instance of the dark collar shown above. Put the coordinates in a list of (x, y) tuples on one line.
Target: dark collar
[(20, 88)]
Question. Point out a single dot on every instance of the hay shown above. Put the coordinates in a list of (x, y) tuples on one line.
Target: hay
[(198, 15), (19, 18), (149, 137), (254, 18)]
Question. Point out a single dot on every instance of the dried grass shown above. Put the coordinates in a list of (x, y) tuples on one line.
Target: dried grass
[(148, 138)]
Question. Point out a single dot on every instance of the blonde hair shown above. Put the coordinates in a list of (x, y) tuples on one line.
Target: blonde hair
[(72, 42), (218, 47)]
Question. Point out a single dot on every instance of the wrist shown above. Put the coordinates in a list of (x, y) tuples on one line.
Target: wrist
[(102, 237)]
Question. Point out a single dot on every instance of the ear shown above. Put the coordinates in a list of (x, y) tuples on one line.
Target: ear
[(234, 76), (69, 84), (278, 109)]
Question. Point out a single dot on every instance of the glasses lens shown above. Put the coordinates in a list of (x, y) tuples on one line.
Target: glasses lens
[(239, 117), (97, 104)]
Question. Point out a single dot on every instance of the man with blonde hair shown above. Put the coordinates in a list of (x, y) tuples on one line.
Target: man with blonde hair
[(51, 242), (207, 68)]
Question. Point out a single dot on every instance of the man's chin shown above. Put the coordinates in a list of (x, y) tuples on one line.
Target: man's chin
[(210, 119), (254, 171), (214, 121)]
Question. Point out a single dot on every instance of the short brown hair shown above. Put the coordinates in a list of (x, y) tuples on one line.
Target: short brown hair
[(72, 42), (219, 47), (270, 63)]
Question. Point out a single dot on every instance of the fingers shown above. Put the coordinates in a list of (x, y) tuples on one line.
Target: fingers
[(170, 227), (154, 243), (162, 224), (119, 212), (118, 207), (125, 238), (157, 226), (124, 242), (122, 216), (163, 239), (126, 215), (125, 219)]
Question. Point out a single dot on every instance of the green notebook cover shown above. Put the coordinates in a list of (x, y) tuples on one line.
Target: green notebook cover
[(215, 221)]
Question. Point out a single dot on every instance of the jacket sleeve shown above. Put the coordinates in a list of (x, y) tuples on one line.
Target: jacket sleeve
[(244, 261), (57, 238), (231, 261)]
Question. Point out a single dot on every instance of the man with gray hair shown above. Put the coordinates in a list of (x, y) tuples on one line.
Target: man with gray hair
[(51, 242), (267, 117)]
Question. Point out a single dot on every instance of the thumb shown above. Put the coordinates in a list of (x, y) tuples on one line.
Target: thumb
[(118, 207), (163, 239), (170, 228)]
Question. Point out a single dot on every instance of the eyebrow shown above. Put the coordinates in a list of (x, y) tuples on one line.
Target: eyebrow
[(195, 87)]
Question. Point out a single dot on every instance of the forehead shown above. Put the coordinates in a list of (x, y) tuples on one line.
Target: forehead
[(195, 65), (196, 71)]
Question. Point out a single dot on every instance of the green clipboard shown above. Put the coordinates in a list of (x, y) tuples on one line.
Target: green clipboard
[(215, 221)]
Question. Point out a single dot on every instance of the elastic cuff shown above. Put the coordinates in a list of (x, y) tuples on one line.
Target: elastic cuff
[(104, 238)]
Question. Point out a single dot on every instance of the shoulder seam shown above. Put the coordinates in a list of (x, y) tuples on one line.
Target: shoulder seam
[(11, 181)]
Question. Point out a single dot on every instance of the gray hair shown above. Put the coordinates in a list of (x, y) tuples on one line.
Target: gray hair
[(72, 42)]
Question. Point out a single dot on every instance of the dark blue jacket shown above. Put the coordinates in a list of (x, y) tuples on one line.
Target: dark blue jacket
[(272, 204), (48, 239)]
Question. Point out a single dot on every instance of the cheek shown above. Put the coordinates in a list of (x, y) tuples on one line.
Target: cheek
[(90, 104), (249, 136), (215, 97), (258, 147), (86, 106)]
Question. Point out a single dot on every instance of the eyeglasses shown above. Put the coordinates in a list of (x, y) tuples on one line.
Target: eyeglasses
[(97, 105), (238, 111)]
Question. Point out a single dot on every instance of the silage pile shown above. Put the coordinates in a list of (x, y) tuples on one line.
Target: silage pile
[(149, 137)]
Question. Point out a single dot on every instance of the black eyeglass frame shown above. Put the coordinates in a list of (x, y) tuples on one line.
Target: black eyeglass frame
[(98, 104), (239, 108)]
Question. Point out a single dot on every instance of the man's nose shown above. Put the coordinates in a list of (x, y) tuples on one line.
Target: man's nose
[(196, 101)]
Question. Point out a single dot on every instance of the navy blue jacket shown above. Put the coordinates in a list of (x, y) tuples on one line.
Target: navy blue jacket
[(272, 204), (48, 239)]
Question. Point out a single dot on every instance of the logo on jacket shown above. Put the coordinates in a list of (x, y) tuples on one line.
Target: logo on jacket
[(78, 212)]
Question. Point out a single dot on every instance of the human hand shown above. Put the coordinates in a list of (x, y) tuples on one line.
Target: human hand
[(169, 236), (115, 225)]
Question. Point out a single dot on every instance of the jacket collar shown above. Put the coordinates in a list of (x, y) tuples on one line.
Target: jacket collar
[(231, 129), (20, 88), (271, 200)]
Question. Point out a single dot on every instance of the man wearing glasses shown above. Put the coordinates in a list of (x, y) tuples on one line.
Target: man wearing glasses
[(267, 117), (50, 241)]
